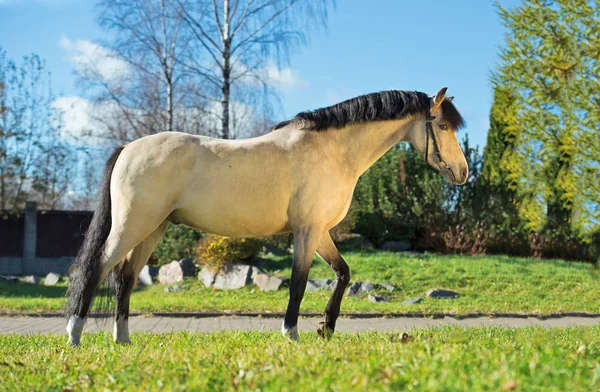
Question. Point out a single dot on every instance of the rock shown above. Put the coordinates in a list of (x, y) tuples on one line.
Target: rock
[(412, 301), (31, 279), (188, 267), (267, 282), (170, 273), (51, 279), (254, 271), (207, 276), (441, 294), (13, 279), (396, 246), (358, 288), (147, 275), (317, 284), (354, 241), (172, 289), (234, 277), (377, 298), (387, 286)]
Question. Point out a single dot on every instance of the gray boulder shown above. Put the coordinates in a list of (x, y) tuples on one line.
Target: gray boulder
[(377, 298), (234, 277), (187, 267), (267, 282), (441, 294), (412, 301), (31, 279), (318, 284), (358, 288), (170, 273), (387, 286), (396, 246), (51, 279), (147, 275), (207, 276), (13, 279)]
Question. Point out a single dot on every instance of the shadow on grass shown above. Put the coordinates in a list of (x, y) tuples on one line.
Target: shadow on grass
[(274, 263), (20, 290)]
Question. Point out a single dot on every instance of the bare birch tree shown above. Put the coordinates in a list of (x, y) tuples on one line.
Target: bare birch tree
[(240, 40), (153, 95)]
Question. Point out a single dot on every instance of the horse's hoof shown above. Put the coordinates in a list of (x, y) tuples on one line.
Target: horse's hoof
[(290, 332), (126, 342), (73, 342), (324, 331)]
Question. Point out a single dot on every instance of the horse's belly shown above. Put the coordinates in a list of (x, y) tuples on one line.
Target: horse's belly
[(233, 218)]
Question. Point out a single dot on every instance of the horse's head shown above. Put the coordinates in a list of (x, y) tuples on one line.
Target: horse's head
[(435, 138)]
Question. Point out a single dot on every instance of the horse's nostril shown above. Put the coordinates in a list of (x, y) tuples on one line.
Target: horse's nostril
[(464, 173)]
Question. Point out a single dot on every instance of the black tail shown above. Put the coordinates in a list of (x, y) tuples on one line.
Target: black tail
[(84, 274)]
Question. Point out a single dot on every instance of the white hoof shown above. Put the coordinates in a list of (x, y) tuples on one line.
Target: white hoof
[(74, 329), (290, 332), (121, 332)]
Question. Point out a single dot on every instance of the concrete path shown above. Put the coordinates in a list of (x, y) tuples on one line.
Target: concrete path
[(56, 325)]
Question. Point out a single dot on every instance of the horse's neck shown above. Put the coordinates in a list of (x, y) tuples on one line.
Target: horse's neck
[(363, 144)]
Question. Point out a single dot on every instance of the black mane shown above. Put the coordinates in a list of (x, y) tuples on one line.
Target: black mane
[(384, 105)]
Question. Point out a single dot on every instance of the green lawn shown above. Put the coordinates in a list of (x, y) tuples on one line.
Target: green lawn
[(491, 284), (445, 359)]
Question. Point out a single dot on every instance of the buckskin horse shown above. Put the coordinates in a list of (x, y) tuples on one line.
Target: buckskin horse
[(299, 178)]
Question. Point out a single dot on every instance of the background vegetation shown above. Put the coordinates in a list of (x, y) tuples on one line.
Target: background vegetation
[(533, 190)]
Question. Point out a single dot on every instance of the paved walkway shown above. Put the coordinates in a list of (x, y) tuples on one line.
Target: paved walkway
[(56, 325)]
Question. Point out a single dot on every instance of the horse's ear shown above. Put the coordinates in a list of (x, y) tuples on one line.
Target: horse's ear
[(439, 97), (449, 99)]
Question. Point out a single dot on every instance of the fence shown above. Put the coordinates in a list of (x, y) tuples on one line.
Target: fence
[(39, 242)]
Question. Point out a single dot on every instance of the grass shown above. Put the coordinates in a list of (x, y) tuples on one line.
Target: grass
[(444, 359), (491, 284)]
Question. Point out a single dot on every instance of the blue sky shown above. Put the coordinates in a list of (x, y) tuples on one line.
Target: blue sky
[(368, 46)]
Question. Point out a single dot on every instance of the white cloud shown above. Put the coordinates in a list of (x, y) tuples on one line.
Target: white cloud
[(91, 59), (285, 78), (79, 120)]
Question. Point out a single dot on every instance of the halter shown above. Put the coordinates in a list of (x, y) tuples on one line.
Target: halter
[(429, 130)]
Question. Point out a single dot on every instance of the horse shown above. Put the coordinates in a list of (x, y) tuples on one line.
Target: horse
[(298, 178)]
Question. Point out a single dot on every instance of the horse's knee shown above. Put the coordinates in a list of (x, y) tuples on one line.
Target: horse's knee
[(343, 274)]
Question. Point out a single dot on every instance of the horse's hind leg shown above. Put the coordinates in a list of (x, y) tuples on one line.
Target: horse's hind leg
[(124, 236), (126, 275), (330, 254)]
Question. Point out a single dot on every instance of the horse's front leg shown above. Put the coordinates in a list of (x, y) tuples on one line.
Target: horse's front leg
[(328, 251), (306, 240)]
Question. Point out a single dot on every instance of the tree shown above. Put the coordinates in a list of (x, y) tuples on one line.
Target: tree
[(496, 194), (137, 76), (550, 66), (33, 157), (242, 39)]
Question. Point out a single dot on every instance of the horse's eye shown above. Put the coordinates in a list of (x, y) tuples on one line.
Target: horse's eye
[(443, 127)]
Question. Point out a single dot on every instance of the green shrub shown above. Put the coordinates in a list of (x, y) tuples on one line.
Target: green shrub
[(219, 252), (179, 241)]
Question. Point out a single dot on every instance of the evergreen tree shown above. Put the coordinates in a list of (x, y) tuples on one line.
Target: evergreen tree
[(550, 65), (497, 197)]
